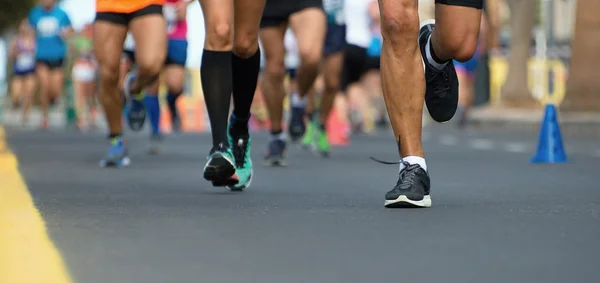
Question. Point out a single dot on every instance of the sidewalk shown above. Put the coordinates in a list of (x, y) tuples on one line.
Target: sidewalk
[(571, 123)]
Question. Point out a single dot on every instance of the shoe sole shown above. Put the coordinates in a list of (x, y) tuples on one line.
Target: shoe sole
[(221, 176), (123, 163), (404, 202)]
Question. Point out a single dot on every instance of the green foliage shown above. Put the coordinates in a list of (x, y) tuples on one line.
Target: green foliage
[(13, 11)]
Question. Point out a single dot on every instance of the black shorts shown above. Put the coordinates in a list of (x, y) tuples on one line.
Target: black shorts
[(51, 64), (125, 18), (277, 12), (355, 65), (335, 40), (373, 63), (477, 4), (130, 55)]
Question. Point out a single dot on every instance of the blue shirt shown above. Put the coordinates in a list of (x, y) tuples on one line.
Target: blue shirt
[(48, 26)]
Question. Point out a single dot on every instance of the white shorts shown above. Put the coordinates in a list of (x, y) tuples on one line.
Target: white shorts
[(84, 73)]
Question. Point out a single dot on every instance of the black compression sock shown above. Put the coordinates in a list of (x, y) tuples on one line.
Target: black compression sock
[(216, 84), (245, 77)]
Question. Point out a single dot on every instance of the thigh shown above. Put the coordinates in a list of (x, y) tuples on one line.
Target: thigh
[(458, 20), (108, 45), (43, 74), (57, 79), (309, 27), (273, 47), (149, 30), (332, 70), (29, 84), (17, 85), (247, 19)]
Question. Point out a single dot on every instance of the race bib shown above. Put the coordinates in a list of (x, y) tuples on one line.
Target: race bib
[(48, 26), (25, 61), (170, 13)]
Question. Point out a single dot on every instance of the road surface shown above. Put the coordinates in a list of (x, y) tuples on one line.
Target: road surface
[(495, 217)]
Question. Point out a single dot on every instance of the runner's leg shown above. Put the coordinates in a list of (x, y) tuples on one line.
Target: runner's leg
[(108, 45)]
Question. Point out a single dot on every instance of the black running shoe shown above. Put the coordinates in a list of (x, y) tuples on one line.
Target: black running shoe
[(411, 190), (275, 155), (297, 125), (220, 168), (441, 94)]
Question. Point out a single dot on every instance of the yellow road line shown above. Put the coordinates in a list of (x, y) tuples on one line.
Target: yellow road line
[(27, 255)]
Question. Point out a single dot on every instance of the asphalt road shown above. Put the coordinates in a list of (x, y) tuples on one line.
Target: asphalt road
[(495, 217)]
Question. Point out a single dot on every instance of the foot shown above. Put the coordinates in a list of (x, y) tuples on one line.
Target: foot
[(220, 167), (323, 147), (441, 94), (308, 141), (136, 112), (411, 190), (275, 155), (241, 143), (155, 144), (297, 127), (116, 155)]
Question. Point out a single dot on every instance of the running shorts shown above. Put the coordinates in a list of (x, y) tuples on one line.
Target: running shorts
[(355, 65), (51, 64), (120, 17), (477, 4), (335, 40), (177, 52), (277, 12)]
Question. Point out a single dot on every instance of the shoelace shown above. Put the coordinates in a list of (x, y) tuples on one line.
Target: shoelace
[(240, 154), (440, 87), (406, 179)]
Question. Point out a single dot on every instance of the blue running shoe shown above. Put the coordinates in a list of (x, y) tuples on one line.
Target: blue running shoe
[(116, 155), (136, 112), (241, 143), (276, 151)]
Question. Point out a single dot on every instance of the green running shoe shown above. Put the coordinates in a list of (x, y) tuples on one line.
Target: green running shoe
[(323, 146), (308, 141)]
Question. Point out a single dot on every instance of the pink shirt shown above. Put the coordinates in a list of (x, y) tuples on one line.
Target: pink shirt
[(176, 29)]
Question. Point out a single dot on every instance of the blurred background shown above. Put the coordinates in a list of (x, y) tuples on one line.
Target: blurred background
[(535, 52)]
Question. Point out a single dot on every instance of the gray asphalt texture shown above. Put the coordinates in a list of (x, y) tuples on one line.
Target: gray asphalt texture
[(495, 217)]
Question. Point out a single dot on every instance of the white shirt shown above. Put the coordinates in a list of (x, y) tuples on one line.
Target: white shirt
[(357, 26), (292, 60)]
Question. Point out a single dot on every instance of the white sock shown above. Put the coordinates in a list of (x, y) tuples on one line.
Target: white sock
[(414, 160), (430, 60), (280, 136), (297, 101)]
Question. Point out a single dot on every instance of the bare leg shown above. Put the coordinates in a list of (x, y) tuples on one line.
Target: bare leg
[(43, 73), (273, 85)]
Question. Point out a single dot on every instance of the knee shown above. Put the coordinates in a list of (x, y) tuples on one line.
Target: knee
[(109, 75), (275, 69), (400, 22), (245, 45), (219, 36), (311, 56), (332, 85), (461, 48), (150, 68)]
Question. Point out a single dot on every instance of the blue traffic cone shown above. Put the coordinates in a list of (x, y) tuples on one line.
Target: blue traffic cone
[(550, 146)]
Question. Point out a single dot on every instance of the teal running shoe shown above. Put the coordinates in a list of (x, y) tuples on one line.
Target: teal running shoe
[(241, 143)]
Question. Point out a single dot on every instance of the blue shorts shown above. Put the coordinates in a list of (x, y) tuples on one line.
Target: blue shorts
[(23, 72), (177, 52), (335, 40)]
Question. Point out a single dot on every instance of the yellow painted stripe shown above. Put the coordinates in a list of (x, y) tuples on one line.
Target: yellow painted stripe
[(27, 255)]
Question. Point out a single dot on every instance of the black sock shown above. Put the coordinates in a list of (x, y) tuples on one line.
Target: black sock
[(245, 77), (216, 85), (172, 102), (433, 56)]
